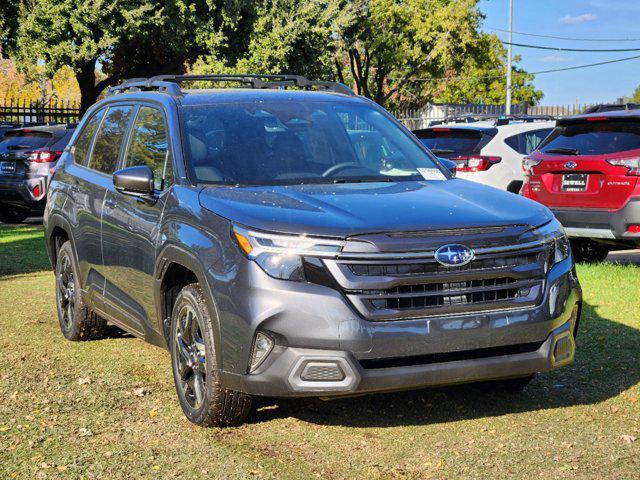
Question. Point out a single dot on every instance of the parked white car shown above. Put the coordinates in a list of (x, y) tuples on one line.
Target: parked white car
[(488, 151)]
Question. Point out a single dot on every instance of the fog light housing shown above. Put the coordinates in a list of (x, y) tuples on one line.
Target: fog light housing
[(563, 349), (322, 372), (262, 346)]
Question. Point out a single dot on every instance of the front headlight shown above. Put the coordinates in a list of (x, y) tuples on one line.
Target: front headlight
[(562, 248), (553, 232), (281, 256)]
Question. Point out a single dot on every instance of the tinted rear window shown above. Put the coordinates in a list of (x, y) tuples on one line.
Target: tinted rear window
[(526, 142), (594, 138), (451, 142), (24, 140)]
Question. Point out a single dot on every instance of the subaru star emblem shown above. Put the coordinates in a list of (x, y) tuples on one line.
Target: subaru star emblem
[(454, 255), (570, 165)]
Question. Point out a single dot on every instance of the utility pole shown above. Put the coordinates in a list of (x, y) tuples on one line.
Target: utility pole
[(508, 102)]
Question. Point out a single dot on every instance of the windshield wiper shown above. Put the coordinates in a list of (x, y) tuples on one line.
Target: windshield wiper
[(562, 151), (441, 151), (362, 180), (18, 147)]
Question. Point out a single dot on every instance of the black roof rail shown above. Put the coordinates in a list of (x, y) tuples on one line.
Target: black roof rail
[(170, 83)]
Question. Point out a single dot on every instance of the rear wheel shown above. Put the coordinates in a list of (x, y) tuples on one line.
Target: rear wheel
[(77, 322), (585, 250), (203, 400), (13, 214)]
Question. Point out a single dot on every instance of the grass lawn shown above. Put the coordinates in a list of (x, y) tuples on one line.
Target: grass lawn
[(74, 410)]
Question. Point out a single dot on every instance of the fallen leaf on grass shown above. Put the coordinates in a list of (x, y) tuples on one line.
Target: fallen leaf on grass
[(628, 438), (156, 467), (85, 432), (140, 392), (84, 380), (153, 412)]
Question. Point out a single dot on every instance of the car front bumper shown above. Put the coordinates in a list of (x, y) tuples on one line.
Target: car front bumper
[(323, 348), (601, 224)]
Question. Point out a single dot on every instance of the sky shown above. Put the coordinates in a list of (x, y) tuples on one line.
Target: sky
[(592, 19)]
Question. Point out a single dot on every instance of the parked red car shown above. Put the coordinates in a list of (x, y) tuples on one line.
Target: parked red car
[(586, 171)]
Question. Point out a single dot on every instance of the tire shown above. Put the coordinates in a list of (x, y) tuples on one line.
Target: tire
[(508, 385), (203, 400), (77, 321), (11, 215), (588, 251)]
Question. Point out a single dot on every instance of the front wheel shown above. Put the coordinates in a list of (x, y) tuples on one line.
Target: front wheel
[(585, 250), (203, 400)]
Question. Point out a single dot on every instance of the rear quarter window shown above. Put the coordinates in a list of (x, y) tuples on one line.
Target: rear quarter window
[(526, 142), (594, 138)]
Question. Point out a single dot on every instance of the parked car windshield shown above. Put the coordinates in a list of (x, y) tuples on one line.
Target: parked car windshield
[(24, 139), (593, 138), (447, 142), (279, 143)]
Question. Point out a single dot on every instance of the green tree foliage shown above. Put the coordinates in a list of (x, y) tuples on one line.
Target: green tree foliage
[(9, 13), (126, 38), (635, 98), (379, 47)]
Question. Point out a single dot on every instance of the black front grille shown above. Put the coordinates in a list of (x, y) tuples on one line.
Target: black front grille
[(443, 294), (373, 363), (426, 267)]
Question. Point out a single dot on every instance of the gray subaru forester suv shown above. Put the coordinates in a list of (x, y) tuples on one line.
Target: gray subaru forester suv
[(288, 238)]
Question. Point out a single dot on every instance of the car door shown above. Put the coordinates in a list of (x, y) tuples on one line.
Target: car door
[(83, 196), (130, 233), (103, 160)]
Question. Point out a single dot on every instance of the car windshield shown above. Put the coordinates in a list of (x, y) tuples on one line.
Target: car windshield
[(593, 138), (280, 143)]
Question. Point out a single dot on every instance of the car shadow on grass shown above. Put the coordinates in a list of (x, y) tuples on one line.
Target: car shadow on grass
[(22, 250), (606, 364)]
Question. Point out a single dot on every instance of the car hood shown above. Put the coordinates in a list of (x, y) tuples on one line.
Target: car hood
[(344, 210)]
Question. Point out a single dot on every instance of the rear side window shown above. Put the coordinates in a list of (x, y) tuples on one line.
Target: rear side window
[(106, 148), (526, 142), (452, 142), (149, 146), (24, 140), (593, 138), (83, 143)]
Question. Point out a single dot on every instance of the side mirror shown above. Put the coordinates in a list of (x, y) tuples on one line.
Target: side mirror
[(449, 165), (134, 181)]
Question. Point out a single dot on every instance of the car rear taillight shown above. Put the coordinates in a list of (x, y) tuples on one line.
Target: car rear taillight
[(475, 163), (528, 163), (44, 156), (632, 163), (36, 191), (633, 229)]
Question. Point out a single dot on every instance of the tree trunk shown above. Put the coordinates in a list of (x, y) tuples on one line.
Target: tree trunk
[(86, 78)]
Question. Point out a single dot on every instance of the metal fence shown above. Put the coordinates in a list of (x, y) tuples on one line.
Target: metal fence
[(432, 114), (55, 111)]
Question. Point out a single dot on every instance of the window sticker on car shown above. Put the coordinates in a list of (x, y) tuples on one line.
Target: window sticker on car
[(431, 174)]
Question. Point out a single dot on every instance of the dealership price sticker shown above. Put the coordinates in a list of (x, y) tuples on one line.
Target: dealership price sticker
[(431, 174)]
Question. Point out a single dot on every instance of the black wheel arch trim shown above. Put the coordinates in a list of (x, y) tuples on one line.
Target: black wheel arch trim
[(57, 220), (173, 253)]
